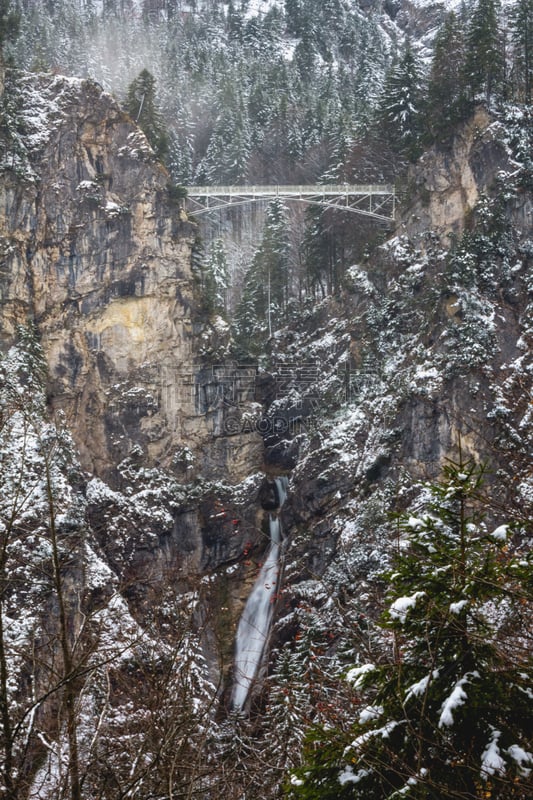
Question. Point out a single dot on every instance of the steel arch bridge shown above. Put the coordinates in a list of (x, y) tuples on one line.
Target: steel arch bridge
[(375, 201)]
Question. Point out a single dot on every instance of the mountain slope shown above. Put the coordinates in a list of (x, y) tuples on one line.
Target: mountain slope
[(138, 469)]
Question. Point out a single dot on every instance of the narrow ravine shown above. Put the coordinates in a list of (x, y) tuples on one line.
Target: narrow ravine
[(254, 625)]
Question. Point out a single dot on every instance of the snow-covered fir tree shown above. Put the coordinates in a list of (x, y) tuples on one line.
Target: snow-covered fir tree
[(443, 713)]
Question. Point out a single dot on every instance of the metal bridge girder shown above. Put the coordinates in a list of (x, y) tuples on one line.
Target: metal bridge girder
[(369, 200)]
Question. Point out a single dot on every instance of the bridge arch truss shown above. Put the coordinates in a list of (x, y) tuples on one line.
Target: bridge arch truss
[(372, 200)]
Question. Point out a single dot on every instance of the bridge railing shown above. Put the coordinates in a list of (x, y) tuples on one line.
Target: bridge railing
[(318, 190)]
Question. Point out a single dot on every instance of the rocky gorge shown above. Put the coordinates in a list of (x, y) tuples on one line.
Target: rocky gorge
[(174, 448)]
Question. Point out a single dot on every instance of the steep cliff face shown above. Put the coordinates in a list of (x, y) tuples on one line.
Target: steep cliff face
[(426, 355), (98, 255), (444, 187)]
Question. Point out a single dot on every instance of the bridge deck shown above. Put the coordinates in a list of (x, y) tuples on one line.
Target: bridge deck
[(317, 190), (371, 200)]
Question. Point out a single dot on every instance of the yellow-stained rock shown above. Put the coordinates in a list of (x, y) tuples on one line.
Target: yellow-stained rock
[(98, 256)]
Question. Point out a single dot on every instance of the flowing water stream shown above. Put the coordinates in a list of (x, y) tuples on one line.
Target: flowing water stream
[(254, 625)]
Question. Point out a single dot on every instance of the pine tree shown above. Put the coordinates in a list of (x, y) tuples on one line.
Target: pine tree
[(484, 65), (401, 104), (250, 325), (266, 284), (272, 261), (316, 253), (9, 23), (142, 107), (180, 157), (228, 152), (370, 66), (522, 34), (234, 22), (9, 29), (305, 686), (218, 276), (446, 96), (447, 715), (295, 17), (289, 708)]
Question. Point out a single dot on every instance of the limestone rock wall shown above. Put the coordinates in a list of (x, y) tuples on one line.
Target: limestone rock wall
[(446, 183), (98, 255)]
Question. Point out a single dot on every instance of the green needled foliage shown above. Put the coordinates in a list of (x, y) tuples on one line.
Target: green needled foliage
[(141, 106), (521, 19), (446, 712), (484, 66), (447, 102), (401, 103), (265, 292), (9, 22)]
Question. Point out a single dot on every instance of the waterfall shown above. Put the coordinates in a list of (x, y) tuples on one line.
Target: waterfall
[(254, 625)]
